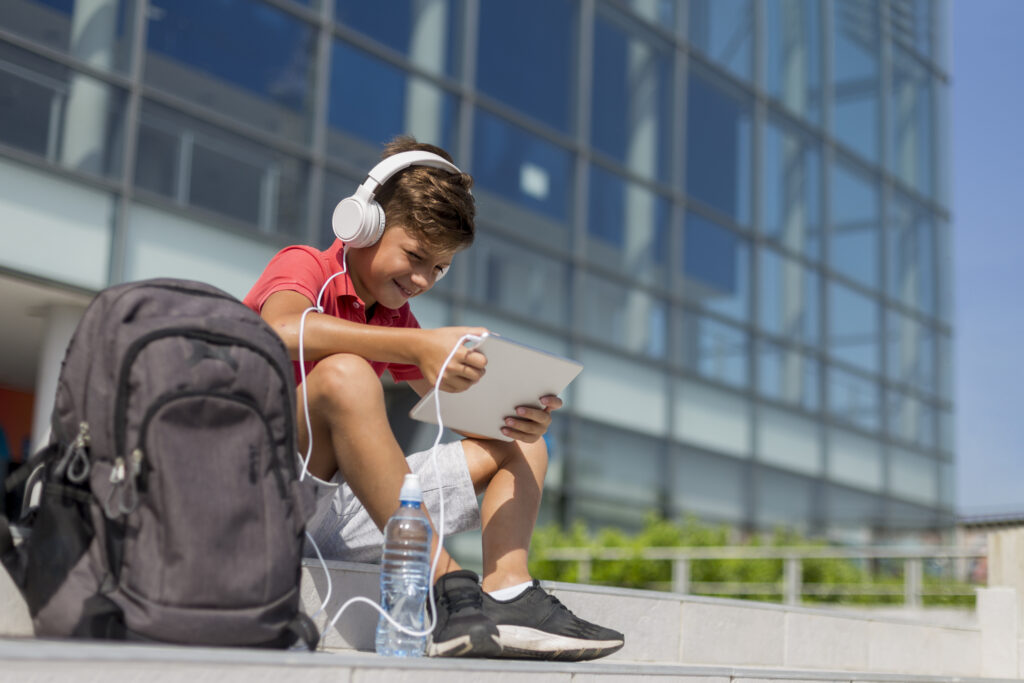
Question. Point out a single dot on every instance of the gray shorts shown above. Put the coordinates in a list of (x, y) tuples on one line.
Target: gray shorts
[(343, 529)]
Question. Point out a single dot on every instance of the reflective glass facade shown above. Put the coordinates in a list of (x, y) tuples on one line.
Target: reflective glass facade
[(734, 212)]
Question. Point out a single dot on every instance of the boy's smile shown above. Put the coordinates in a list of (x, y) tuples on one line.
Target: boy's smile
[(395, 269)]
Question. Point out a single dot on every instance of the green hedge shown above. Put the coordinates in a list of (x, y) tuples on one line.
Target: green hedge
[(828, 577)]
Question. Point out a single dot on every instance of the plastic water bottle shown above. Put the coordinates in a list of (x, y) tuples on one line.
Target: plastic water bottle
[(405, 574)]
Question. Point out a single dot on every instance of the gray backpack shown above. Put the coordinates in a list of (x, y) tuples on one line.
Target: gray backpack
[(166, 506)]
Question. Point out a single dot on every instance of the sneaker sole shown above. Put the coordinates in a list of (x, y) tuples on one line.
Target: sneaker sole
[(487, 645), (522, 642)]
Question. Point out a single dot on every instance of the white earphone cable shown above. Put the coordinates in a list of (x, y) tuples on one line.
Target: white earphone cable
[(318, 308)]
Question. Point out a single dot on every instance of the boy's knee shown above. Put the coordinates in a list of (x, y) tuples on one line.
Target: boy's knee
[(536, 454), (342, 381)]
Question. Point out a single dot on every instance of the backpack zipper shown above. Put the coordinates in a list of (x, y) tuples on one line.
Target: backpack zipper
[(121, 403), (76, 458), (123, 498)]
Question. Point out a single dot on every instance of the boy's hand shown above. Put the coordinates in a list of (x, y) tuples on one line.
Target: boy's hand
[(530, 424), (466, 366)]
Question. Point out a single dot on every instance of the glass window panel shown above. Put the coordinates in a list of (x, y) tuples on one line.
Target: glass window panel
[(911, 255), (911, 22), (911, 419), (403, 103), (555, 439), (248, 61), (856, 71), (428, 32), (600, 513), (911, 352), (431, 311), (716, 263), (853, 399), (913, 477), (942, 169), (521, 180), (853, 334), (718, 148), (663, 13), (852, 514), (854, 237), (791, 196), (792, 65), (947, 485), (788, 298), (945, 382), (788, 441), (724, 31), (602, 470), (714, 350), (632, 97), (709, 486), (627, 318), (911, 122), (627, 227), (854, 460), (947, 432), (201, 165), (517, 280), (783, 500), (913, 519), (944, 270), (97, 33), (539, 80), (620, 392), (712, 418), (788, 375), (58, 114), (521, 332)]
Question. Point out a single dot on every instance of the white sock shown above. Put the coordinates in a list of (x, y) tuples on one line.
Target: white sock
[(506, 594)]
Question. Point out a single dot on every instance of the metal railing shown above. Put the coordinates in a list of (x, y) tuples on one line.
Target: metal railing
[(792, 587)]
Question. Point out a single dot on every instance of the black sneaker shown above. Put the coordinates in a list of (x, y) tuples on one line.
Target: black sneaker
[(535, 625), (462, 629)]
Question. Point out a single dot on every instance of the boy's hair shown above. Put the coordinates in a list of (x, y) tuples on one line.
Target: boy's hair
[(433, 204)]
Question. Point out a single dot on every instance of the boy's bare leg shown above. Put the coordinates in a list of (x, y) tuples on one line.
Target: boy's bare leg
[(511, 477), (348, 416)]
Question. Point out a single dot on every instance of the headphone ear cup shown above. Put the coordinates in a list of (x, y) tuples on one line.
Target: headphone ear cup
[(444, 271), (357, 222)]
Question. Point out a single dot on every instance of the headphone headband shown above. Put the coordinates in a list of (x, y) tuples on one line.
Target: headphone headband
[(358, 220), (391, 165)]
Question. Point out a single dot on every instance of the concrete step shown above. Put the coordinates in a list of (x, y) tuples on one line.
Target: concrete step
[(666, 634), (667, 628), (36, 661)]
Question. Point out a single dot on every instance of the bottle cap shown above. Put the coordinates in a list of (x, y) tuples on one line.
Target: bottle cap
[(411, 489)]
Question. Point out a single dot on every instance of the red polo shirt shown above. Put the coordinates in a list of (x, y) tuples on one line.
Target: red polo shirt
[(304, 270)]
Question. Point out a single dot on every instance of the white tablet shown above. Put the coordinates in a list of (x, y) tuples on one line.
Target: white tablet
[(517, 375)]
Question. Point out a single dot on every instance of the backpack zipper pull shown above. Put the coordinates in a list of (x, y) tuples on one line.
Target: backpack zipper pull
[(130, 497), (79, 468), (117, 479), (76, 459), (124, 492)]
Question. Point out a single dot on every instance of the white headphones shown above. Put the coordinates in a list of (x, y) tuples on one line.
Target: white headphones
[(359, 220)]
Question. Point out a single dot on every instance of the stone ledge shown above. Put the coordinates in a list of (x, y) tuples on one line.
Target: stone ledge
[(28, 660)]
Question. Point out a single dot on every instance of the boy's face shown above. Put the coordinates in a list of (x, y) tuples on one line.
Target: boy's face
[(396, 268)]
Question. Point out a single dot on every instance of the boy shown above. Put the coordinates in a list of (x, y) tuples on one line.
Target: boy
[(366, 328)]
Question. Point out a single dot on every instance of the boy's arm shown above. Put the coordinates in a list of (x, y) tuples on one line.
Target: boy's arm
[(325, 335)]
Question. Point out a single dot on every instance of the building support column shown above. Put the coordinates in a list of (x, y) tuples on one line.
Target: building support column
[(60, 323)]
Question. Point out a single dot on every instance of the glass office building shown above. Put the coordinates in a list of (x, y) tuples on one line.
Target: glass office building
[(734, 213)]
